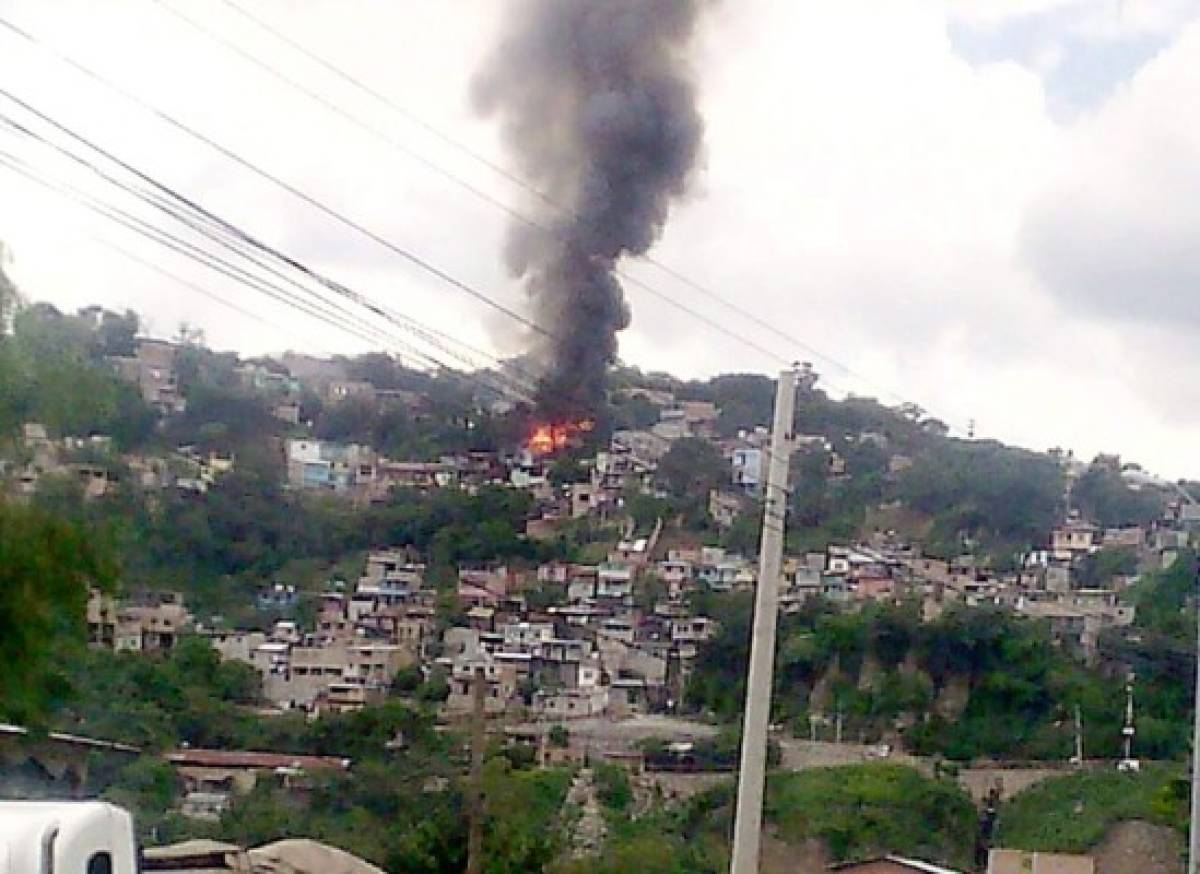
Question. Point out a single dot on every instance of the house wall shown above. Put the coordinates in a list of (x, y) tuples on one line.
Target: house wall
[(1021, 862)]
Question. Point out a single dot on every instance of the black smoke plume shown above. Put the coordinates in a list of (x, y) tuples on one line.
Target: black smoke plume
[(597, 104)]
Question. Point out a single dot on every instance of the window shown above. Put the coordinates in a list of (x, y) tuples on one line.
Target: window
[(100, 863)]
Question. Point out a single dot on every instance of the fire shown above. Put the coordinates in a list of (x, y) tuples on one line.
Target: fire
[(548, 438)]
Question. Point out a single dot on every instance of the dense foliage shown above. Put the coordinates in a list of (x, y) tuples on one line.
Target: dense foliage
[(46, 567), (1071, 814), (856, 811), (1160, 650), (975, 682), (1005, 499), (53, 371), (865, 810), (1104, 496)]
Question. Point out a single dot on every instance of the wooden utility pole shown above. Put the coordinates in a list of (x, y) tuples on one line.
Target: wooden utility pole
[(475, 787), (747, 830)]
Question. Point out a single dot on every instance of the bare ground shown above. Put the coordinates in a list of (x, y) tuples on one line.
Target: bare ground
[(1140, 848)]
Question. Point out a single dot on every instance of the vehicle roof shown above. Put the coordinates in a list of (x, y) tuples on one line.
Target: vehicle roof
[(22, 823)]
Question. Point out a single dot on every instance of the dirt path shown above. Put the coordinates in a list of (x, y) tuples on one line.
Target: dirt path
[(589, 831)]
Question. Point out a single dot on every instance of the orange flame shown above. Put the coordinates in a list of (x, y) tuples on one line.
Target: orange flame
[(548, 438)]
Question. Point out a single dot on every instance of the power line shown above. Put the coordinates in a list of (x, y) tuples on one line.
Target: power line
[(494, 381), (171, 242), (227, 228), (277, 181), (122, 218)]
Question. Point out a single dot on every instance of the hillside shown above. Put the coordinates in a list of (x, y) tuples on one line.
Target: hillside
[(1073, 814), (973, 683), (184, 472)]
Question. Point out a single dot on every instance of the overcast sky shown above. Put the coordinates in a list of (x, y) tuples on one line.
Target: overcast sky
[(989, 207)]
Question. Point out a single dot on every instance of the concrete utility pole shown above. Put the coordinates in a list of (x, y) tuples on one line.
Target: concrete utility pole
[(1194, 831), (747, 830), (475, 787)]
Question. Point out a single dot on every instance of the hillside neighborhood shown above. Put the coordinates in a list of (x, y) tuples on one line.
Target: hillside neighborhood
[(329, 569), (570, 648)]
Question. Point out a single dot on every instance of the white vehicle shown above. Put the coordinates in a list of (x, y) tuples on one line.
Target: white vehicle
[(57, 837)]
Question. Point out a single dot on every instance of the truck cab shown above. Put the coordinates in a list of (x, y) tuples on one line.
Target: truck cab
[(62, 837)]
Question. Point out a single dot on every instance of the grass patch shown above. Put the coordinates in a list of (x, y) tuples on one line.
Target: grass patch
[(870, 809), (1072, 814)]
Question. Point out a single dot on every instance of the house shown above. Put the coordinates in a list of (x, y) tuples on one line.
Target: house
[(1074, 538), (211, 777), (890, 865), (692, 630), (415, 474), (314, 672), (700, 418), (618, 629), (526, 636), (645, 448), (1023, 862), (802, 582), (152, 369), (874, 587), (1077, 621), (627, 696), (747, 469), (583, 497), (502, 684), (268, 377), (280, 596), (339, 390), (634, 552), (614, 582), (234, 645), (153, 622), (725, 507), (287, 411), (565, 704), (1133, 537), (315, 464)]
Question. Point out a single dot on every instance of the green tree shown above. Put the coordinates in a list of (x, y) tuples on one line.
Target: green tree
[(1103, 496), (46, 567)]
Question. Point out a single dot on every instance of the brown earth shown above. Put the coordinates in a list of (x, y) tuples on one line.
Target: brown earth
[(777, 856), (1137, 847)]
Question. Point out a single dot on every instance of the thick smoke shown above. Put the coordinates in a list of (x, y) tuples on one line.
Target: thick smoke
[(597, 104)]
